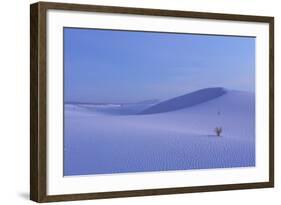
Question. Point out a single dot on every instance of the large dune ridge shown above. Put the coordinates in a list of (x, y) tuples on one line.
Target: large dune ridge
[(185, 101), (158, 137)]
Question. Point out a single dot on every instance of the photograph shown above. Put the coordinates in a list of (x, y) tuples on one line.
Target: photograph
[(148, 101), (143, 101)]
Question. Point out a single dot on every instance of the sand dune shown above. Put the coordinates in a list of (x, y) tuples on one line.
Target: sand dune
[(97, 142), (186, 101)]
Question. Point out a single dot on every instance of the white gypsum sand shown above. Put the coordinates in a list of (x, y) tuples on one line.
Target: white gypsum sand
[(120, 139)]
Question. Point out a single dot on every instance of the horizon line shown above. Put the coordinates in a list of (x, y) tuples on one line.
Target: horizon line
[(150, 99)]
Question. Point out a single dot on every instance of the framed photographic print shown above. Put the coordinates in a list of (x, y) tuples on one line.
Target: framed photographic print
[(135, 102)]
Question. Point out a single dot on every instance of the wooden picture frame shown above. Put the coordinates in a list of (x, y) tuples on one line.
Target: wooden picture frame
[(38, 100)]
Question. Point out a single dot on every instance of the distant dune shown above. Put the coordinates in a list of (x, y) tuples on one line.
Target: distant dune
[(185, 101)]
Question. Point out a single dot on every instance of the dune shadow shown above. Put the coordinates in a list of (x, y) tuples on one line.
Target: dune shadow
[(185, 101)]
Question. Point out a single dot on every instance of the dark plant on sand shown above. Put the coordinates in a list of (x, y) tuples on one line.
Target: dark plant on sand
[(218, 131)]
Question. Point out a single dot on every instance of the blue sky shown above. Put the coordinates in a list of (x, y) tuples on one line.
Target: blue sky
[(125, 66)]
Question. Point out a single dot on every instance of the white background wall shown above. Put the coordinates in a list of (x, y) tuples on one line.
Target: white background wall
[(14, 101)]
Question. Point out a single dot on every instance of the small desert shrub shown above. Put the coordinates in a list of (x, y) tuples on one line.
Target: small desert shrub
[(218, 131)]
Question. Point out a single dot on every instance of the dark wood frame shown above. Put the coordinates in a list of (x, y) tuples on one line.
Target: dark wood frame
[(38, 86)]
